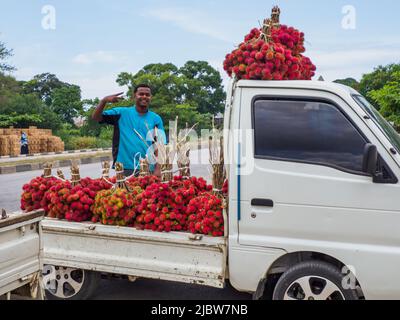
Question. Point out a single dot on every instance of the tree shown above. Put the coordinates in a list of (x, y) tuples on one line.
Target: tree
[(66, 102), (163, 79), (91, 127), (203, 86), (8, 87), (4, 55), (388, 99), (20, 120), (378, 78), (31, 109), (350, 82), (44, 85)]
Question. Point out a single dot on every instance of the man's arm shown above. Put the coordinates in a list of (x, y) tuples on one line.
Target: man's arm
[(98, 113)]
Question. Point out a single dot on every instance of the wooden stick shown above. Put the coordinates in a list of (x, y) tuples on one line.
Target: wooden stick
[(60, 174), (47, 170), (106, 169), (75, 175)]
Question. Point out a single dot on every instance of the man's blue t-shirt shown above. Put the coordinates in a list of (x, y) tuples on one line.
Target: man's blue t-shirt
[(128, 146)]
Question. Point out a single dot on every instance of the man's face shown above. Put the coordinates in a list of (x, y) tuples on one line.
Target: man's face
[(143, 97)]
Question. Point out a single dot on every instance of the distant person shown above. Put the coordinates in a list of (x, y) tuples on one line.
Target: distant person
[(24, 143), (131, 126)]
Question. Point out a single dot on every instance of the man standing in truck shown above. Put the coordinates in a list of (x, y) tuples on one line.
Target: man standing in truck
[(133, 128)]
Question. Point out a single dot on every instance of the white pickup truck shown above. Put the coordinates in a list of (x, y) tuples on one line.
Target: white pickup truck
[(313, 207)]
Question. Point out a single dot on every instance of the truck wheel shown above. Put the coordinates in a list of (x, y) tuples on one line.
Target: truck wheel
[(63, 283), (313, 280)]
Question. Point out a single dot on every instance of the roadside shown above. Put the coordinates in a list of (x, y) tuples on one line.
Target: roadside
[(10, 165), (59, 161), (6, 160)]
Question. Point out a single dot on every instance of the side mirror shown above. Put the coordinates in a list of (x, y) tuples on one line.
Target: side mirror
[(370, 159)]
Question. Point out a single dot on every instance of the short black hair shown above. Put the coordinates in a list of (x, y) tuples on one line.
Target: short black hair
[(142, 85)]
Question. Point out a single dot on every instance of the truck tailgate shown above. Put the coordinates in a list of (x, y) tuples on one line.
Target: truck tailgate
[(174, 256), (20, 250)]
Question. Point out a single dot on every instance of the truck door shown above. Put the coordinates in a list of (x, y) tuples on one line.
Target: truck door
[(306, 189)]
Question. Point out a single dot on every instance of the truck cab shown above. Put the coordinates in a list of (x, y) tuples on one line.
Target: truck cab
[(313, 182)]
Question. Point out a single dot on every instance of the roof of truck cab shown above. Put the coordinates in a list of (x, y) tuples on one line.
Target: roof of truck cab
[(295, 84)]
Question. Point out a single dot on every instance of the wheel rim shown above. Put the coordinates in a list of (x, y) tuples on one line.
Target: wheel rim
[(313, 288), (62, 282)]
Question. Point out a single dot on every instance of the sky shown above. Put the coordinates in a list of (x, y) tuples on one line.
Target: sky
[(90, 42)]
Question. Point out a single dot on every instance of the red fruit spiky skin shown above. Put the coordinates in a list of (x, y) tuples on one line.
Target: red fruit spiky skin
[(208, 218), (63, 201), (150, 205), (285, 48), (116, 207), (33, 195)]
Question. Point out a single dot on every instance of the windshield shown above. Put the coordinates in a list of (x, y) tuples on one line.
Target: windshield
[(380, 121)]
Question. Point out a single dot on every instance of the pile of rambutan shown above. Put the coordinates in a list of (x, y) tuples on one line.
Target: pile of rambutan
[(273, 52), (205, 215), (145, 203), (116, 206), (34, 191)]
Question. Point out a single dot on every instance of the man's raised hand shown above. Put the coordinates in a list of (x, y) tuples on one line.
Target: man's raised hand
[(113, 98)]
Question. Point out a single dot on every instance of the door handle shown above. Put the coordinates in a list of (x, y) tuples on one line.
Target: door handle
[(262, 203)]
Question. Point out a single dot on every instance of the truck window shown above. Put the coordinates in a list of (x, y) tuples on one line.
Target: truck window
[(380, 121), (307, 131)]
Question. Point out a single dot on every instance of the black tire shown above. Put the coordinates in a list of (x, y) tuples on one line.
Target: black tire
[(320, 276), (85, 281)]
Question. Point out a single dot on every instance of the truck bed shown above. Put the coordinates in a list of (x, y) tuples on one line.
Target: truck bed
[(174, 256)]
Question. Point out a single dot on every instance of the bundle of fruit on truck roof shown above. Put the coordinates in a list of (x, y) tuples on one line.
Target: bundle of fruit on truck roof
[(273, 52)]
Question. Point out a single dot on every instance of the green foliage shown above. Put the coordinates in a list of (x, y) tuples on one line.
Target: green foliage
[(106, 133), (80, 143), (382, 89), (67, 132), (350, 82), (388, 99), (44, 85), (20, 120), (67, 102), (13, 103), (378, 78), (4, 55), (203, 86)]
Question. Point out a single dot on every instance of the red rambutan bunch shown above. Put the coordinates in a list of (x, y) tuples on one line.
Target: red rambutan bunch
[(270, 53), (34, 191), (205, 215), (116, 206)]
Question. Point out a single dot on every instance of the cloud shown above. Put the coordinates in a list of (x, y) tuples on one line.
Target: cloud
[(95, 86), (191, 21), (345, 63), (98, 57)]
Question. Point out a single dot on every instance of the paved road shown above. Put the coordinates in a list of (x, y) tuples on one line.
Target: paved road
[(10, 190)]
